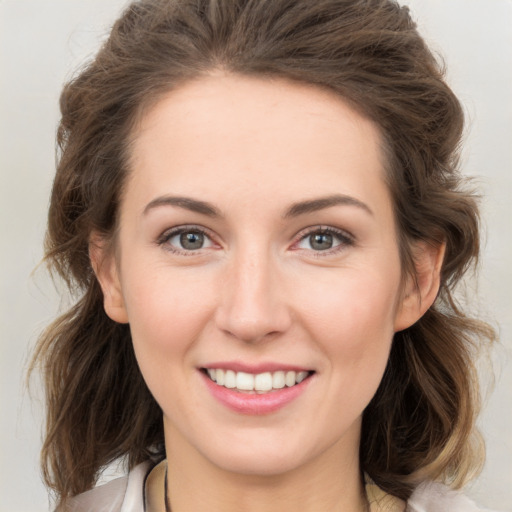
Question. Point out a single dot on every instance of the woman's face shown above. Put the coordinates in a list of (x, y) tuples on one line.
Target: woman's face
[(257, 247)]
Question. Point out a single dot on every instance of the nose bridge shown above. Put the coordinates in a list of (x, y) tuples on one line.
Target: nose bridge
[(251, 305)]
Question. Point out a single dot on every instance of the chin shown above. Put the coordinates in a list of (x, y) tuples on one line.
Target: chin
[(258, 464), (266, 453)]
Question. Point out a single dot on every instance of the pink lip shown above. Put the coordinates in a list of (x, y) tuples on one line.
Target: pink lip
[(254, 404), (237, 366)]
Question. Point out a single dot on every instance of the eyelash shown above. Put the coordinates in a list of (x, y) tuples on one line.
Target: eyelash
[(345, 239), (171, 233)]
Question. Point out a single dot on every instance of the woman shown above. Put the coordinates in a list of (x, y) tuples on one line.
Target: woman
[(259, 206)]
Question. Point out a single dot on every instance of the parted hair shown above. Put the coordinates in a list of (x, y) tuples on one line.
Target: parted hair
[(421, 422)]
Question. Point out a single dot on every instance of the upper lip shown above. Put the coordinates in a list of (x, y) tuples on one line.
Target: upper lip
[(238, 366)]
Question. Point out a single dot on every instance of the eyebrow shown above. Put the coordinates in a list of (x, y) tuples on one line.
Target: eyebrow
[(295, 210), (187, 203), (321, 203)]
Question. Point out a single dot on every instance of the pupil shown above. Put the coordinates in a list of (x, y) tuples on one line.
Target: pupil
[(191, 240), (321, 241)]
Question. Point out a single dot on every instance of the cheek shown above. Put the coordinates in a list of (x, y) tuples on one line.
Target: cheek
[(167, 312), (352, 321), (361, 303)]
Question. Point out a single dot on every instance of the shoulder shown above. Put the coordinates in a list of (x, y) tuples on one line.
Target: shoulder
[(434, 497), (427, 497), (125, 494)]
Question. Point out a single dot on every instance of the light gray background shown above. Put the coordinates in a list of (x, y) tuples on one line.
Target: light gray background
[(42, 42)]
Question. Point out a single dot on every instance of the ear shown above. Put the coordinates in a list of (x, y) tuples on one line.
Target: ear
[(105, 267), (420, 290)]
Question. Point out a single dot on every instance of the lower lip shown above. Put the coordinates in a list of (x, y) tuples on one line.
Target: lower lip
[(253, 403)]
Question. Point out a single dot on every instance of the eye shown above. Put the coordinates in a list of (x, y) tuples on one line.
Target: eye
[(324, 239), (185, 239)]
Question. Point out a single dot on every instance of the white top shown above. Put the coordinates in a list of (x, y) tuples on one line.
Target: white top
[(126, 494)]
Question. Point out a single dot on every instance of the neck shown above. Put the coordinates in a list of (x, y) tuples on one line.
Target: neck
[(331, 482)]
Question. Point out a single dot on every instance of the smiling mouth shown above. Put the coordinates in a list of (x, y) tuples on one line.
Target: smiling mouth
[(259, 383)]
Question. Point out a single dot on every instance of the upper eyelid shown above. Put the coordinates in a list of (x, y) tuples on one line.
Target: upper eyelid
[(185, 227), (324, 228)]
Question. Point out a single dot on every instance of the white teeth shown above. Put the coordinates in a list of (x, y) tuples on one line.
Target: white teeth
[(230, 379), (260, 383), (263, 382), (278, 380), (300, 377), (245, 381), (289, 380)]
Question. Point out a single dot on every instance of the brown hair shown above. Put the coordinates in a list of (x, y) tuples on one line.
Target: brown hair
[(420, 424)]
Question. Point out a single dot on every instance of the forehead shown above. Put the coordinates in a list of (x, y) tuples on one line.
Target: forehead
[(271, 134), (220, 101)]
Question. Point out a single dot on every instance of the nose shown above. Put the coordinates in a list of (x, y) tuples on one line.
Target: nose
[(252, 302)]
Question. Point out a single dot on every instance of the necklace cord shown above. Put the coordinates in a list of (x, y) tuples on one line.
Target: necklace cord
[(166, 495)]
